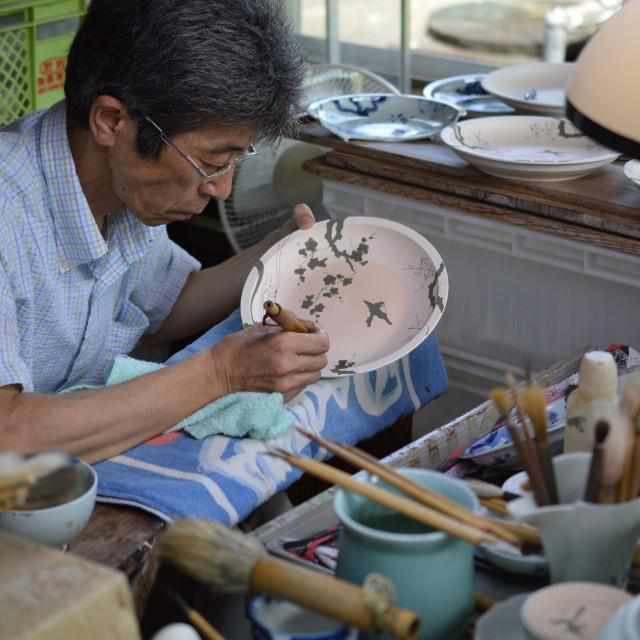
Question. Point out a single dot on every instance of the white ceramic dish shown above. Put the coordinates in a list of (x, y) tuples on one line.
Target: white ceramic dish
[(502, 621), (632, 171), (624, 624), (383, 117), (375, 286), (526, 148), (538, 87), (56, 526), (496, 448), (467, 93)]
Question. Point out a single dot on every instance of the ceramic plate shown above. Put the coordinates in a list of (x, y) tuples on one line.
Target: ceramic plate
[(526, 148), (466, 93), (538, 87), (375, 286), (502, 621), (383, 117), (632, 171), (496, 448)]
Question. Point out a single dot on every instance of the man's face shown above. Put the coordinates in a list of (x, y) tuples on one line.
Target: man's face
[(169, 188)]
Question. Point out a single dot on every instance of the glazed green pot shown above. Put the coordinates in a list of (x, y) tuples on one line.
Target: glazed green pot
[(432, 571)]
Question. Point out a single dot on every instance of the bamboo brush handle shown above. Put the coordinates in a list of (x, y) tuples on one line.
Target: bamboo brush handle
[(329, 596), (405, 506)]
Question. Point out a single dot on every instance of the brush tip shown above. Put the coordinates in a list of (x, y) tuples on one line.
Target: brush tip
[(502, 400)]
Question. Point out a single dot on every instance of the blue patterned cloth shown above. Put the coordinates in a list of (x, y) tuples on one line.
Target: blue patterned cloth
[(225, 479), (69, 300)]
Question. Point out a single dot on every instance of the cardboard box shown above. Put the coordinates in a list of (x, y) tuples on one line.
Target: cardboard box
[(46, 594)]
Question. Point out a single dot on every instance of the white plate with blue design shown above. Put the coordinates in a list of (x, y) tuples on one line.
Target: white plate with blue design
[(376, 287), (383, 117), (467, 93), (527, 148), (496, 448)]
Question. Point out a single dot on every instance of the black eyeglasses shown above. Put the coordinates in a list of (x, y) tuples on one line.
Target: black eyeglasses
[(218, 173)]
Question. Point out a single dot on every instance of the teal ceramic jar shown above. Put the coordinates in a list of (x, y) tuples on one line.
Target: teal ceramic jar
[(432, 571)]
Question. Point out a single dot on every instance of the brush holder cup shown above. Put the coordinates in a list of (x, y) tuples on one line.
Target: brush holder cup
[(582, 541), (432, 572)]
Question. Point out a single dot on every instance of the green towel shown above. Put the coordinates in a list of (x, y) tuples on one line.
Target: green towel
[(258, 415)]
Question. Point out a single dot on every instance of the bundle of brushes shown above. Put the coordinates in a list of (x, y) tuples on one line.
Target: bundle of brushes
[(230, 562), (614, 474), (418, 503), (529, 435)]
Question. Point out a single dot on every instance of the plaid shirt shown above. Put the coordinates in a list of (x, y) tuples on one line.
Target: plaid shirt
[(69, 300)]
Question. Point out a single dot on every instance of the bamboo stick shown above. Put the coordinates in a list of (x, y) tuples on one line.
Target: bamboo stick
[(405, 506), (424, 496)]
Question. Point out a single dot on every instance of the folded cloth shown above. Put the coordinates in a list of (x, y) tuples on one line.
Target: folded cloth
[(225, 479), (258, 415)]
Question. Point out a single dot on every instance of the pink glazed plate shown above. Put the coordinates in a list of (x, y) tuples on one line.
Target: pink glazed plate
[(375, 286)]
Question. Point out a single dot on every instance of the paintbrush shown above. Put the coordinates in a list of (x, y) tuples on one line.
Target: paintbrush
[(534, 405), (230, 562), (286, 319), (431, 499), (526, 452), (36, 479), (594, 477), (195, 618)]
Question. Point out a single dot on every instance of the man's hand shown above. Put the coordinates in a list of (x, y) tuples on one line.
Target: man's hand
[(302, 218), (268, 359)]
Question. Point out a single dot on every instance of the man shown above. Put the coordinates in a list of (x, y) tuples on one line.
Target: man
[(163, 99)]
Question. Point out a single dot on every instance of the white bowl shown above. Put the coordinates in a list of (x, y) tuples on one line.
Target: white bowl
[(56, 526), (526, 148), (383, 117), (632, 171), (544, 84)]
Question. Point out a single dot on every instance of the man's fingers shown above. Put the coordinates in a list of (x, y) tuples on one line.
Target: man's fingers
[(303, 216)]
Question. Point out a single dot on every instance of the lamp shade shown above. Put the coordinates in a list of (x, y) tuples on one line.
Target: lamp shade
[(603, 96)]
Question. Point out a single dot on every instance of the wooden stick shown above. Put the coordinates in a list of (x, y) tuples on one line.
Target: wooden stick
[(340, 599), (287, 319), (405, 506), (421, 494), (594, 477), (634, 487), (495, 504), (482, 602), (196, 618)]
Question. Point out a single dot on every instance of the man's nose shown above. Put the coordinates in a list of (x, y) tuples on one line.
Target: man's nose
[(220, 187)]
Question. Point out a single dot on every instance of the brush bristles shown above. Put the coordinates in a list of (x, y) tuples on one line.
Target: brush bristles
[(502, 400), (207, 551), (535, 406)]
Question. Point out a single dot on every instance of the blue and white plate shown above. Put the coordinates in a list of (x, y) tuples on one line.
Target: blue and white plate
[(383, 117), (496, 448)]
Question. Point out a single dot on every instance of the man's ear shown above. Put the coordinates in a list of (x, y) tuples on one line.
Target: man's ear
[(108, 119)]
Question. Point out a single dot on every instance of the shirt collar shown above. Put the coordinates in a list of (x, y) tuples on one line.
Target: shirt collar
[(78, 238)]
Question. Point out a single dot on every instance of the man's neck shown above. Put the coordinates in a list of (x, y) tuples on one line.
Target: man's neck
[(94, 175)]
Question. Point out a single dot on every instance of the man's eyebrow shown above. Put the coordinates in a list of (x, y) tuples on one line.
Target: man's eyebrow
[(225, 148)]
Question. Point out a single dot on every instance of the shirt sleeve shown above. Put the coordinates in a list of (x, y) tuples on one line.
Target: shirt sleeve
[(13, 368), (164, 273)]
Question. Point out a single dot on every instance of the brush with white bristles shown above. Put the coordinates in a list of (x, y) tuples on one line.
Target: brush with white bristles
[(228, 561), (19, 475)]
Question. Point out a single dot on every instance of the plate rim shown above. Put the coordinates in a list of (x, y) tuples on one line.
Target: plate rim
[(429, 89), (252, 281), (604, 156)]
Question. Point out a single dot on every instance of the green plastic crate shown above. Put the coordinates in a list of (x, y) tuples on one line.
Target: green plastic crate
[(34, 41)]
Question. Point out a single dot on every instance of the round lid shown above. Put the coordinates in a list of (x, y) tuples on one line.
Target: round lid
[(571, 610)]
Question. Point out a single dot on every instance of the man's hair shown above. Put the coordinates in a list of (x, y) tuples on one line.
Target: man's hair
[(187, 64)]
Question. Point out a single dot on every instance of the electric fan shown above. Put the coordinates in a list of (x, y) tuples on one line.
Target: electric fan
[(268, 185)]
